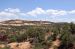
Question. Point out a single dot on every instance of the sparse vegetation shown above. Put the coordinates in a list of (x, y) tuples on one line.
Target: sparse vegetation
[(40, 36)]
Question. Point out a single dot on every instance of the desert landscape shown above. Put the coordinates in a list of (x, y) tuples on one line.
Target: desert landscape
[(37, 24), (42, 35)]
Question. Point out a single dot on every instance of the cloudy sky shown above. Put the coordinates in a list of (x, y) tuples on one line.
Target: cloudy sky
[(49, 10)]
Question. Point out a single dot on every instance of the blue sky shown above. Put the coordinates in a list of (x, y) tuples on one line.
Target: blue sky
[(49, 10)]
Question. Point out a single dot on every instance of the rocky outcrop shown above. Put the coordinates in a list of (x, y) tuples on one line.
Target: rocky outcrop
[(55, 44), (15, 45), (2, 46)]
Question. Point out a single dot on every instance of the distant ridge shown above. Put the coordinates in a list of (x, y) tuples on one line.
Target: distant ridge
[(19, 22)]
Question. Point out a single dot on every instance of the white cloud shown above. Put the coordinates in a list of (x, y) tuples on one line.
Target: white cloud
[(17, 13), (12, 10), (11, 13), (36, 12), (7, 14), (23, 14), (50, 12), (72, 12)]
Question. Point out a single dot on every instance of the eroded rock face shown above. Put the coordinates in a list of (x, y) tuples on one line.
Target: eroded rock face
[(22, 45), (15, 45), (25, 45), (55, 44), (28, 45), (2, 46)]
